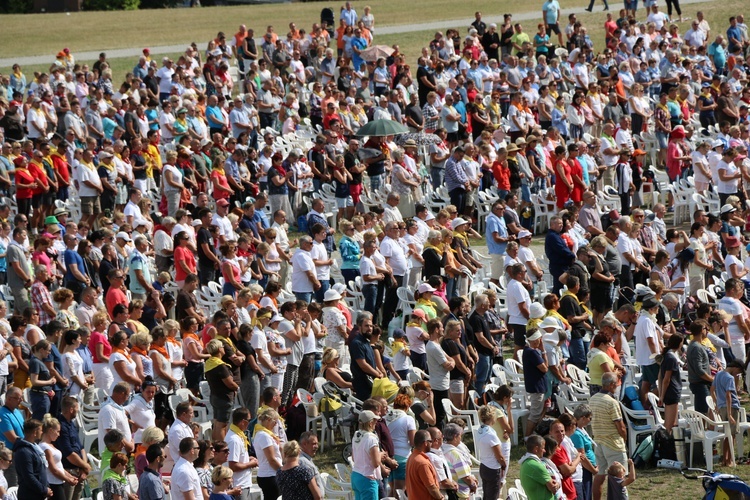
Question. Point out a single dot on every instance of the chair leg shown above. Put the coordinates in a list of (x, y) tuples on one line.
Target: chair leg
[(692, 443)]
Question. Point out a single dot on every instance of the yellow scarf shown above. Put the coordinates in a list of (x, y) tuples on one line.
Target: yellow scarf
[(462, 237), (18, 74), (110, 167), (239, 432), (227, 340), (571, 294), (90, 166), (260, 428), (438, 248), (213, 362), (557, 315), (219, 169)]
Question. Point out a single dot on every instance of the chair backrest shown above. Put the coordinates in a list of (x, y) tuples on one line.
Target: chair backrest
[(695, 422), (516, 494)]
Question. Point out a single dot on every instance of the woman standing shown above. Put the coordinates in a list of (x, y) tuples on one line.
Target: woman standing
[(563, 178), (402, 429), (350, 251), (599, 362), (222, 384), (195, 356), (404, 182), (72, 363), (144, 366), (42, 382), (121, 363), (141, 412), (100, 351), (267, 448), (492, 462), (64, 299), (250, 372), (57, 476), (21, 352), (114, 482), (367, 458), (294, 480), (184, 258), (416, 247), (230, 269), (173, 185), (670, 380), (461, 374), (501, 404), (698, 366), (585, 447)]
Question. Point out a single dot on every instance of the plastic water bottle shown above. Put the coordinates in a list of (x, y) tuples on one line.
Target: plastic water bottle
[(670, 464)]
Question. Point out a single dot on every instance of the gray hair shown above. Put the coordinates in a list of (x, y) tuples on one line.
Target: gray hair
[(533, 441), (671, 297), (305, 239), (398, 154), (481, 299), (582, 411), (609, 378), (450, 431), (608, 321), (38, 270), (393, 196), (362, 316), (433, 235), (141, 240), (166, 221)]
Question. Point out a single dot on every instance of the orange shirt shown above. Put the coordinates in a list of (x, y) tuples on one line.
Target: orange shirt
[(420, 475)]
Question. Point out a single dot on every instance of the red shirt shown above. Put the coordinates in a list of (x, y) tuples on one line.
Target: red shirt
[(561, 457), (502, 176), (115, 296), (25, 177), (185, 255), (99, 338), (38, 174)]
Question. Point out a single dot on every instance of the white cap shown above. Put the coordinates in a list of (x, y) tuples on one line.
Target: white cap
[(276, 317), (524, 234), (367, 416), (425, 287), (430, 216), (123, 235)]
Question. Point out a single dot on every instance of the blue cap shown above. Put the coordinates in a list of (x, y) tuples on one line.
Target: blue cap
[(398, 333)]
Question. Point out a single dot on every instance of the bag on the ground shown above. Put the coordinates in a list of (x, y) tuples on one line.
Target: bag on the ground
[(643, 453), (664, 445)]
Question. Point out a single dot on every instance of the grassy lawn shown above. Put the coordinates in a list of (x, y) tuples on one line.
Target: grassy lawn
[(94, 30)]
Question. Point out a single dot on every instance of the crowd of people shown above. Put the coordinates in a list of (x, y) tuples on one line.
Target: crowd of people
[(182, 187)]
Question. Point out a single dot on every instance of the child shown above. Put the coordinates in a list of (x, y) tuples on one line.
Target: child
[(724, 392), (617, 482), (401, 353)]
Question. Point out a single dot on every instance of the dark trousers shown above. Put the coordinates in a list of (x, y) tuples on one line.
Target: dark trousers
[(306, 372), (458, 198), (626, 281), (490, 482), (370, 293), (269, 487), (439, 396), (700, 391), (391, 301)]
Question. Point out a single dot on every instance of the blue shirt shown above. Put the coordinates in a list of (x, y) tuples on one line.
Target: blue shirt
[(56, 358), (260, 216), (214, 117), (455, 176), (138, 262), (724, 382), (10, 421), (551, 8), (85, 353), (349, 17), (72, 257), (360, 44), (360, 348), (153, 116), (719, 54), (68, 442), (497, 225), (733, 32)]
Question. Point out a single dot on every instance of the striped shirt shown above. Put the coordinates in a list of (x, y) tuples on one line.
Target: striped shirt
[(605, 411), (455, 176)]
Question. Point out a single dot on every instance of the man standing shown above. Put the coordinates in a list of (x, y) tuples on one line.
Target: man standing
[(180, 429), (535, 479), (609, 429), (150, 485), (308, 443), (19, 279), (139, 271), (456, 181), (484, 343), (363, 358), (87, 308), (316, 216), (186, 484), (30, 464), (304, 279), (439, 365), (238, 458), (557, 251), (421, 478), (208, 262), (535, 369), (394, 255), (74, 457), (496, 235), (112, 416), (391, 211)]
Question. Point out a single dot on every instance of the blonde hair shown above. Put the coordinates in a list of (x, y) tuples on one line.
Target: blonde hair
[(486, 414), (152, 435), (269, 414), (213, 347), (220, 473), (141, 339), (100, 318), (329, 356), (291, 449), (345, 225), (49, 422), (171, 326)]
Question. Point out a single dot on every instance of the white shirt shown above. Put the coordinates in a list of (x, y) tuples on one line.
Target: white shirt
[(658, 18), (362, 443), (133, 210), (399, 430), (185, 478), (165, 82), (224, 224), (526, 255), (699, 158), (142, 415), (577, 476), (301, 263), (625, 139), (319, 252), (644, 329), (111, 417), (734, 308), (727, 187), (487, 439), (261, 441), (390, 248), (178, 431), (624, 245), (91, 175), (728, 261), (238, 453), (516, 293), (391, 214)]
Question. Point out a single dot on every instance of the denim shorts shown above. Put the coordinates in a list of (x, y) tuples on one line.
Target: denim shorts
[(662, 139)]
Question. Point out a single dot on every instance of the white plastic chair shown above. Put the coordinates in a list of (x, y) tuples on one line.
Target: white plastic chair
[(637, 430), (698, 434)]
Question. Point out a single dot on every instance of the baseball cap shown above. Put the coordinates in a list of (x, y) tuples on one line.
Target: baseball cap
[(367, 416), (524, 234), (222, 202), (430, 216), (425, 287), (419, 313), (124, 236)]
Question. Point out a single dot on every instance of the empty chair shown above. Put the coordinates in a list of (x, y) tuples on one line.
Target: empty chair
[(698, 423)]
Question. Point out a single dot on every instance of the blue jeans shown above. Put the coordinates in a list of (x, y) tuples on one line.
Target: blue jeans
[(349, 275), (320, 292), (371, 298), (40, 403), (483, 369), (228, 289), (436, 176), (306, 296), (577, 353), (450, 287)]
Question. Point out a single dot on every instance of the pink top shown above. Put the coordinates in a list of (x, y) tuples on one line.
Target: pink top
[(185, 255), (99, 338), (235, 271), (39, 257)]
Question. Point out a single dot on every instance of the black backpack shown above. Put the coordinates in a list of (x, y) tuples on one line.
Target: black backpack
[(664, 445)]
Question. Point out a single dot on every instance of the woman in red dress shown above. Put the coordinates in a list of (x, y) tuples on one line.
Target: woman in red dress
[(563, 177), (576, 174)]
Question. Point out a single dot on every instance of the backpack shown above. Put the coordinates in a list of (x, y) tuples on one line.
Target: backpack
[(644, 453), (330, 404), (664, 445)]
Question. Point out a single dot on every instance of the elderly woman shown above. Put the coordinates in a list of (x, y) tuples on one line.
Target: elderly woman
[(492, 462), (164, 244), (350, 251), (459, 461), (367, 458), (415, 250), (144, 366), (404, 182), (64, 299), (268, 450), (295, 480), (402, 429), (335, 323), (432, 255)]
